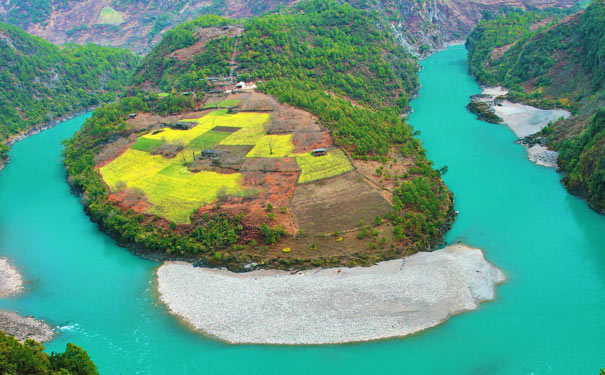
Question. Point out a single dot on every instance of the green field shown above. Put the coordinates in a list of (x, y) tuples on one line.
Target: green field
[(109, 16), (147, 144), (208, 140), (315, 168), (223, 103)]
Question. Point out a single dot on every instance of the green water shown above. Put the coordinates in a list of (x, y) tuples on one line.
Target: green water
[(547, 319)]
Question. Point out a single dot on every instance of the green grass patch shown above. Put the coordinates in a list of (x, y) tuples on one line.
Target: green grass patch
[(174, 192), (163, 94), (208, 140), (317, 167), (109, 16), (223, 103), (147, 144)]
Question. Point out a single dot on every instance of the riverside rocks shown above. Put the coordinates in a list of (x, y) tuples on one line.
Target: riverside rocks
[(526, 122), (10, 279), (22, 328), (328, 306)]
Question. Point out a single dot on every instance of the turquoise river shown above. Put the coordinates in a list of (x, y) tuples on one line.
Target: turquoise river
[(548, 318)]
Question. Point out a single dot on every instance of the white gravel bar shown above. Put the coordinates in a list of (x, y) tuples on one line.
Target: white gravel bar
[(522, 119), (11, 282), (327, 306)]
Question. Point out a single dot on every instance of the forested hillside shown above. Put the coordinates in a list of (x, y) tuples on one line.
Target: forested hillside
[(339, 64), (29, 358), (139, 24), (552, 62), (40, 82)]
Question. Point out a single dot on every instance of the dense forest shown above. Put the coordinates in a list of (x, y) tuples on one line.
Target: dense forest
[(40, 82), (549, 60), (318, 56), (28, 358)]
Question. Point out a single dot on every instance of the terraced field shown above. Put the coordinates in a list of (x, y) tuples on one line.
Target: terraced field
[(316, 168), (179, 181)]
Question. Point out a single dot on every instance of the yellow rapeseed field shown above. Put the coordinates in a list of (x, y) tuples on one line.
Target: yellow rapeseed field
[(315, 168), (272, 146)]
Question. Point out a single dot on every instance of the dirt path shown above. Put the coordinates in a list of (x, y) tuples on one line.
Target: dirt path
[(234, 55)]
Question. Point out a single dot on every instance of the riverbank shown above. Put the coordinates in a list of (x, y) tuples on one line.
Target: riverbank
[(41, 127), (524, 121), (23, 328), (329, 306)]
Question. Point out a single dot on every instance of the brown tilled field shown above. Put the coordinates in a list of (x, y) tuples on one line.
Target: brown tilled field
[(337, 203)]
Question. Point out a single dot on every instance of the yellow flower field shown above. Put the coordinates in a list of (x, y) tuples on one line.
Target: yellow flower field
[(315, 168), (272, 146), (174, 192)]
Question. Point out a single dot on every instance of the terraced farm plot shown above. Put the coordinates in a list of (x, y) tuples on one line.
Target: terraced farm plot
[(208, 140), (337, 204), (147, 144), (223, 103), (272, 146), (317, 167), (184, 136), (174, 192), (246, 136)]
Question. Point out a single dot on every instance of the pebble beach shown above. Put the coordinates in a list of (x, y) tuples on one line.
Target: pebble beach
[(329, 306)]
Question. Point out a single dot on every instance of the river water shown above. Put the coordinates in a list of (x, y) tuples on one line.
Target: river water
[(548, 317)]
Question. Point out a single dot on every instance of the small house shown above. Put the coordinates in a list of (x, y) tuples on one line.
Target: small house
[(240, 85), (211, 154), (187, 93), (133, 115), (319, 152)]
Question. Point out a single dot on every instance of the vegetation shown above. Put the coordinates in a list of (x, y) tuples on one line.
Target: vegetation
[(320, 56), (315, 168), (40, 82), (28, 358), (549, 62), (110, 17)]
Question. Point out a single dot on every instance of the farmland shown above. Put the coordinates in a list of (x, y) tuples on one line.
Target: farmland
[(315, 168), (172, 169)]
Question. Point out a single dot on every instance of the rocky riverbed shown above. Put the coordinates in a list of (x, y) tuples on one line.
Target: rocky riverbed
[(11, 283), (524, 121), (328, 306)]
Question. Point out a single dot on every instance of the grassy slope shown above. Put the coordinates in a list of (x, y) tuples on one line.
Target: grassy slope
[(561, 65)]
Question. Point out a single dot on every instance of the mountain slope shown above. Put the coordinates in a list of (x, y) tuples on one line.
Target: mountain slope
[(320, 137), (40, 82), (562, 65), (137, 24)]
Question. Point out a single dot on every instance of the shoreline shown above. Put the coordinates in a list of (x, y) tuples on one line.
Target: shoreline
[(22, 328), (10, 141), (524, 121), (392, 299)]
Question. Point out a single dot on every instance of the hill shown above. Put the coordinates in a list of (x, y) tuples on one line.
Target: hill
[(550, 61), (305, 163), (139, 25), (40, 82)]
